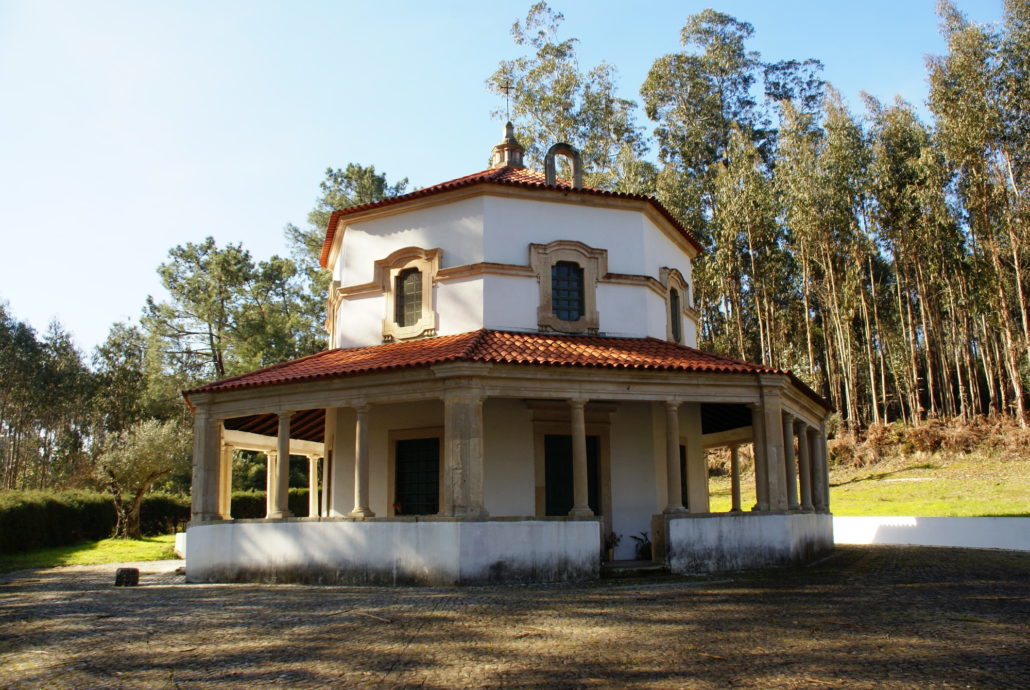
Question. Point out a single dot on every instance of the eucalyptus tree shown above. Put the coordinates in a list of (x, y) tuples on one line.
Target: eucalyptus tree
[(553, 100), (975, 92)]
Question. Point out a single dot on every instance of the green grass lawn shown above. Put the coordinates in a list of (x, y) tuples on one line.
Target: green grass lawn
[(923, 485), (93, 552)]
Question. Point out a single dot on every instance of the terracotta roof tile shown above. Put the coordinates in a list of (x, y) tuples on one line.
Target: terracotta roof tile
[(499, 347), (513, 177)]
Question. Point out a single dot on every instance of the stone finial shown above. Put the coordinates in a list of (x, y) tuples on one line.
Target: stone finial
[(509, 152)]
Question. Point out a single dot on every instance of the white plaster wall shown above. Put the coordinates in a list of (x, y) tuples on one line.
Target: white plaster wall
[(635, 246), (359, 321), (736, 542), (632, 475), (661, 251), (508, 468), (456, 228), (622, 310), (392, 552), (459, 306), (970, 532), (510, 303), (513, 224)]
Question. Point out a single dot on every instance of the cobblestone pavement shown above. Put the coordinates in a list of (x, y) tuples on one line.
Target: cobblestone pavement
[(864, 617)]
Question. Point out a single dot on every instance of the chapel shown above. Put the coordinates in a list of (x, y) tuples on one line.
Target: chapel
[(512, 391)]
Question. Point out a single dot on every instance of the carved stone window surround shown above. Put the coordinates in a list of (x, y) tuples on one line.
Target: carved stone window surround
[(594, 262), (427, 262)]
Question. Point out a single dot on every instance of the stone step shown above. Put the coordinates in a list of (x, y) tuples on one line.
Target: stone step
[(633, 569)]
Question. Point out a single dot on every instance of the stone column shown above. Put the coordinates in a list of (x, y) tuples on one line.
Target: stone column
[(328, 467), (697, 469), (805, 464), (313, 486), (672, 458), (463, 455), (361, 492), (207, 442), (281, 495), (580, 489), (735, 478), (790, 462), (225, 483), (774, 451), (758, 446), (271, 467)]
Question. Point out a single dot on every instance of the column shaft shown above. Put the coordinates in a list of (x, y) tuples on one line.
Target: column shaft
[(790, 462), (280, 506), (673, 479), (225, 483), (580, 489), (361, 492), (735, 478), (805, 465), (313, 486)]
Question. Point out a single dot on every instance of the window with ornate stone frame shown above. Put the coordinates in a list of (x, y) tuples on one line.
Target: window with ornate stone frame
[(677, 290), (593, 262), (388, 271)]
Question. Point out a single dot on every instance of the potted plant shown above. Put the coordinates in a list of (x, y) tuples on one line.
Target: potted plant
[(610, 542)]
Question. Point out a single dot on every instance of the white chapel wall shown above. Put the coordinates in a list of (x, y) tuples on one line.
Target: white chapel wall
[(632, 474), (509, 479), (456, 228)]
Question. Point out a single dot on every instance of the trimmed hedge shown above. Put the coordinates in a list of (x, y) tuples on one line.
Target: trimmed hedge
[(163, 513), (251, 504), (38, 519)]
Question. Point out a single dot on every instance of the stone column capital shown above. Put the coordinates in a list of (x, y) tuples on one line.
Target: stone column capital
[(578, 403), (788, 417)]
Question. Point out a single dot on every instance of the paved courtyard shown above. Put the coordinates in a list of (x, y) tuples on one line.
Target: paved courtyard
[(864, 617)]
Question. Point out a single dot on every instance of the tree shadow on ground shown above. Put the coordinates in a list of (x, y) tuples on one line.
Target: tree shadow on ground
[(871, 615)]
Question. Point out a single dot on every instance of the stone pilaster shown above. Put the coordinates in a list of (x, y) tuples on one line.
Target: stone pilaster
[(772, 408), (207, 442), (463, 455), (761, 465), (271, 468), (225, 482)]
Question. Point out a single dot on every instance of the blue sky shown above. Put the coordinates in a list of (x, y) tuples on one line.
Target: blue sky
[(127, 128)]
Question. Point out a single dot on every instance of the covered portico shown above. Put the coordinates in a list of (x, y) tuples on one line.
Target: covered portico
[(492, 397)]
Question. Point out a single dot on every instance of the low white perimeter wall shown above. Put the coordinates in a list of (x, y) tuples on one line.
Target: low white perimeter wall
[(973, 532), (393, 552), (735, 542)]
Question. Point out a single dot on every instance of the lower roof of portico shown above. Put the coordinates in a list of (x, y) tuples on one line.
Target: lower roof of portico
[(502, 364)]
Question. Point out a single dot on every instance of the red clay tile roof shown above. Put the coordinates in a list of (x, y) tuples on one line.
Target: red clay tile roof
[(498, 347), (511, 177)]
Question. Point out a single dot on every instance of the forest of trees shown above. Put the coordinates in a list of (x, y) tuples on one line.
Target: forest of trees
[(881, 258)]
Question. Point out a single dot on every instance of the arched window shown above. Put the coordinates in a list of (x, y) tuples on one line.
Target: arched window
[(567, 290), (675, 316), (408, 297)]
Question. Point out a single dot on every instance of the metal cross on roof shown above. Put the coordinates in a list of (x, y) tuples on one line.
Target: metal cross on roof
[(507, 87)]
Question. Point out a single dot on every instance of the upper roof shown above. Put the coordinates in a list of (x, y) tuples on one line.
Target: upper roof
[(498, 347), (507, 177)]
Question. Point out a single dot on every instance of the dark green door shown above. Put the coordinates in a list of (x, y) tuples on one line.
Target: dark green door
[(417, 485), (558, 492)]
